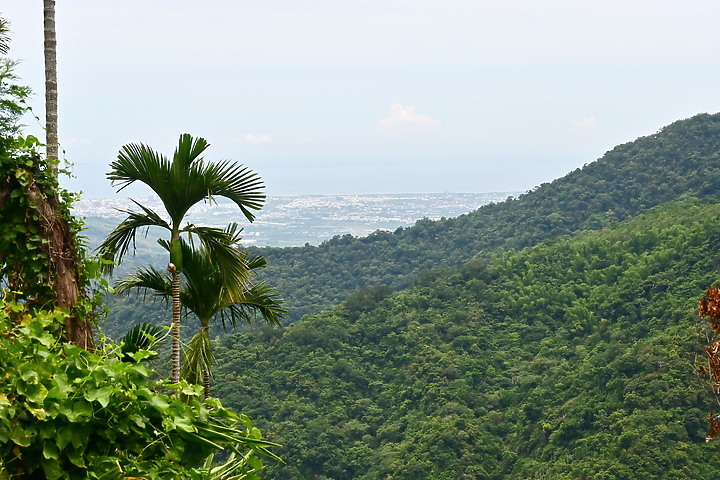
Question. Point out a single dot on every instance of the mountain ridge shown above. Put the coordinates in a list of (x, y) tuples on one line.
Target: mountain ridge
[(681, 159), (569, 359)]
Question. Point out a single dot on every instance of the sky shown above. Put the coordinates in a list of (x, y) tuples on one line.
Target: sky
[(370, 96)]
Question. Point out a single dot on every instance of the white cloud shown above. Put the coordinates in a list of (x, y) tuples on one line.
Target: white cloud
[(405, 120), (257, 139), (585, 125)]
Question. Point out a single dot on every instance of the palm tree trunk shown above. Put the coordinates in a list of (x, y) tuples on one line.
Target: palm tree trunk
[(51, 102), (62, 244), (175, 374), (205, 331), (206, 382)]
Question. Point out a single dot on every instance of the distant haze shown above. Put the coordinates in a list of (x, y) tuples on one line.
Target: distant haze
[(366, 96), (297, 220)]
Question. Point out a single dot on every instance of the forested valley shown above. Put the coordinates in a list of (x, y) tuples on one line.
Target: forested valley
[(554, 335)]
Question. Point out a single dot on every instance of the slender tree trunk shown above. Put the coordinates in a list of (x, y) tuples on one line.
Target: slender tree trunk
[(51, 102), (64, 270), (205, 330), (206, 382), (175, 373)]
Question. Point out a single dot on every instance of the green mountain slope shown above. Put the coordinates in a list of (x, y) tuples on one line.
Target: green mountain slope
[(681, 159), (571, 359)]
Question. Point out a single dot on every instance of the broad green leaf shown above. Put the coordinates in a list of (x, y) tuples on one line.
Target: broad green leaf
[(138, 420), (64, 437), (179, 422), (51, 451), (76, 456), (52, 469), (22, 436), (141, 355), (101, 395), (38, 413), (33, 392), (66, 408), (160, 403), (194, 390), (28, 373), (176, 450), (47, 430), (57, 393), (81, 408)]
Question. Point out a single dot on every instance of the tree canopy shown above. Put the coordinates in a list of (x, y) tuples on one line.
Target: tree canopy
[(679, 160), (572, 359)]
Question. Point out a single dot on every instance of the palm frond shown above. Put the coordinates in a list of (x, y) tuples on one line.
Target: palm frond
[(188, 150), (117, 243), (234, 233), (188, 179), (137, 162), (232, 270), (256, 262), (198, 358), (260, 300), (142, 336), (237, 183), (4, 36), (236, 467), (148, 279)]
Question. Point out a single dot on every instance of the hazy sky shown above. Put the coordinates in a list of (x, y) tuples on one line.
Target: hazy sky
[(372, 96)]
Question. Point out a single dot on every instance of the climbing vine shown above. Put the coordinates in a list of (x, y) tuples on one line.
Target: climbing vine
[(66, 413), (24, 253), (39, 252), (69, 409)]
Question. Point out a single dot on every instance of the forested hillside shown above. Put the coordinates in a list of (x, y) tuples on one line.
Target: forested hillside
[(570, 359), (550, 336), (681, 159)]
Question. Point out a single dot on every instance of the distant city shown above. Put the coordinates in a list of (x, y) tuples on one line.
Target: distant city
[(297, 220)]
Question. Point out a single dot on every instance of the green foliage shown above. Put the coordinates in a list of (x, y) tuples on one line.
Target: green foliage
[(181, 183), (143, 336), (571, 359), (24, 172), (203, 293), (23, 269), (679, 160), (66, 413), (12, 96)]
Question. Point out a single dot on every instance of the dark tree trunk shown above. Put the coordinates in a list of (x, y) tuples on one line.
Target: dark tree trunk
[(59, 283), (64, 275)]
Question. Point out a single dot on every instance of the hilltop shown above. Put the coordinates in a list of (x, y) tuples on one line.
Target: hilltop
[(682, 159)]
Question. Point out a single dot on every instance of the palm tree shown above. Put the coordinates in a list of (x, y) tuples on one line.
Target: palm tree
[(204, 294), (180, 184), (51, 100), (63, 274)]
